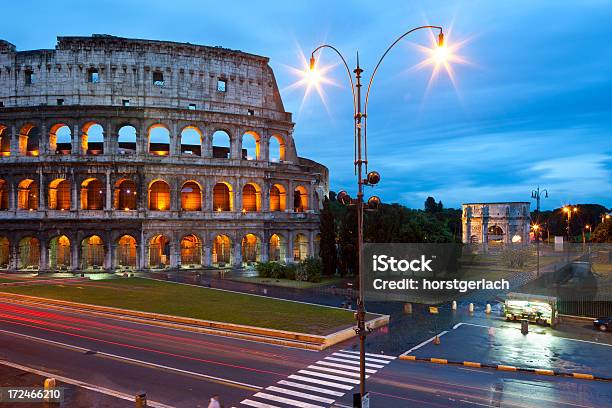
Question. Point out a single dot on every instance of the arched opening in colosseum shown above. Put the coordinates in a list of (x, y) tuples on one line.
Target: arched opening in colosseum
[(222, 197), (159, 196), (222, 251), (276, 248), (300, 247), (5, 141), (29, 140), (191, 252), (251, 248), (27, 195), (29, 253), (278, 198), (221, 144), (495, 234), (59, 253), (159, 252), (126, 252), (92, 253), (191, 141), (276, 149), (126, 140), (250, 146), (5, 251), (60, 139), (300, 199), (159, 140), (474, 239), (92, 139), (251, 197), (125, 195), (93, 194), (4, 195), (191, 196), (59, 195)]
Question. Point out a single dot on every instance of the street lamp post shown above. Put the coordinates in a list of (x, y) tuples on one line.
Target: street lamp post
[(569, 210), (536, 230), (537, 194), (360, 159)]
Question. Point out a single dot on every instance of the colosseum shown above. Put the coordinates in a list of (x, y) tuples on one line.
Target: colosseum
[(121, 153)]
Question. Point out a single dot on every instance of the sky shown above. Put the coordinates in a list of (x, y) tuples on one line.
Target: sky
[(528, 105)]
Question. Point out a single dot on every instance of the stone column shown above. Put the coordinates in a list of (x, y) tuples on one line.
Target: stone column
[(14, 140), (207, 255), (76, 139), (207, 195), (108, 255), (12, 190), (13, 263), (289, 196), (265, 195), (175, 257), (236, 144), (43, 262), (207, 141), (109, 192), (237, 194), (109, 139), (74, 254), (175, 140), (43, 147), (311, 239), (289, 254), (175, 195), (142, 261), (264, 146), (42, 191), (74, 190), (237, 259), (265, 249), (142, 140)]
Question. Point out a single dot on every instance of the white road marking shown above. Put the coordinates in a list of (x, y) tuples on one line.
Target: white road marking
[(287, 401), (334, 371), (343, 360), (301, 395), (132, 360), (370, 354), (320, 382), (418, 346), (344, 366), (329, 377), (311, 388), (368, 359), (257, 404), (82, 384)]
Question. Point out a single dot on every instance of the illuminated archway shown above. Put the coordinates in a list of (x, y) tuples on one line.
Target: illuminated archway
[(127, 252), (300, 199), (300, 247), (59, 253), (4, 195), (5, 141), (251, 249), (191, 141), (126, 139), (29, 253), (222, 251), (276, 248), (159, 252), (250, 146), (59, 195), (191, 196), (251, 197), (92, 253), (276, 148), (278, 198), (159, 196), (60, 139), (159, 140), (29, 140), (5, 251), (27, 195), (221, 144), (125, 197), (93, 194), (222, 197), (191, 251), (92, 139)]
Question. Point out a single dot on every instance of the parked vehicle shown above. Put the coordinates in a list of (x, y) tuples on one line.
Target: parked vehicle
[(602, 323), (534, 308)]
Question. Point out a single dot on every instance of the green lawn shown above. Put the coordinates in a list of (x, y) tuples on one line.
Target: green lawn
[(7, 280), (196, 302), (288, 283)]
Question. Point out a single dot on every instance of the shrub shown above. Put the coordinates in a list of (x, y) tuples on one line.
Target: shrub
[(309, 270), (515, 257)]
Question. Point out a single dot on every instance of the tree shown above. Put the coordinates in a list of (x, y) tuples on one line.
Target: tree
[(430, 205), (603, 232), (327, 249)]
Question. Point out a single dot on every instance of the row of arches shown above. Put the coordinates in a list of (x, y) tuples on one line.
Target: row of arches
[(93, 252), (159, 196), (191, 141)]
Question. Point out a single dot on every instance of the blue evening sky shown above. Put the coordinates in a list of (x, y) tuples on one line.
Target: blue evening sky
[(533, 106)]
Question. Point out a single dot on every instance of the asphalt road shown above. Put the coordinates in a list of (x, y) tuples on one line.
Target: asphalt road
[(184, 369)]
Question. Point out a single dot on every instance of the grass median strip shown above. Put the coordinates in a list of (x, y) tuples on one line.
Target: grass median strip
[(196, 302)]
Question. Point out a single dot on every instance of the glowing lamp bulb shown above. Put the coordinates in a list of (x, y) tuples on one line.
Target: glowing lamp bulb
[(312, 63), (441, 40)]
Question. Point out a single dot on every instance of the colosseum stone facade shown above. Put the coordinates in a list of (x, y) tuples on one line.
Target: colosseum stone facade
[(120, 153)]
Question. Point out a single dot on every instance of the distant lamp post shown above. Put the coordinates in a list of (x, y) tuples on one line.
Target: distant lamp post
[(536, 233), (537, 195), (440, 56), (569, 210)]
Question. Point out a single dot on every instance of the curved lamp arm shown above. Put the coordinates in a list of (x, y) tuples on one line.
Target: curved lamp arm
[(441, 39), (348, 70)]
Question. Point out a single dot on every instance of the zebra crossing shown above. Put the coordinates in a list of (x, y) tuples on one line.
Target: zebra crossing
[(320, 384)]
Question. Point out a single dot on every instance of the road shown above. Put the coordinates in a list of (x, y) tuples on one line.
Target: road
[(183, 369)]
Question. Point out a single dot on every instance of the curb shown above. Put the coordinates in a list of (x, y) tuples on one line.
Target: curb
[(502, 367), (244, 332)]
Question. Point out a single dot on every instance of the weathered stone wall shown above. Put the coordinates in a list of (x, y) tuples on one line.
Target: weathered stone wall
[(480, 219)]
